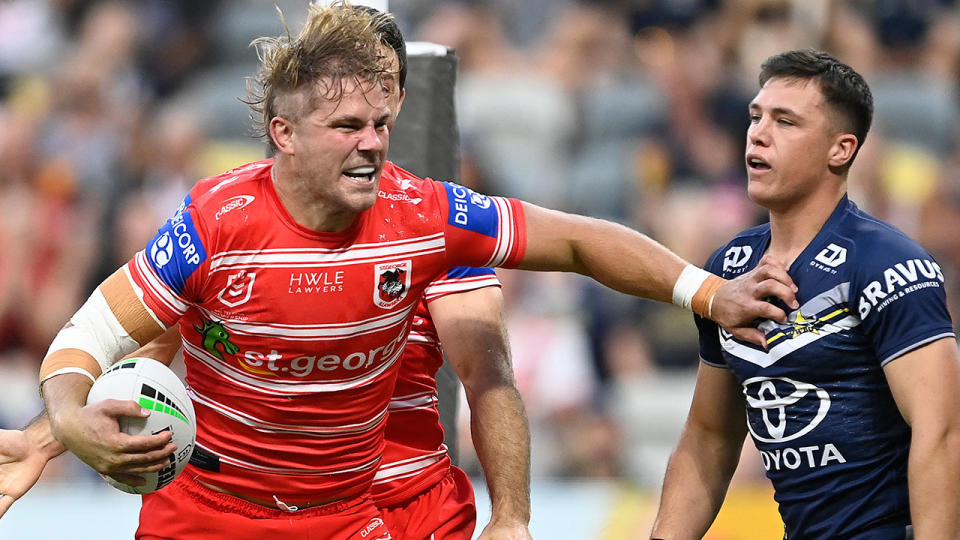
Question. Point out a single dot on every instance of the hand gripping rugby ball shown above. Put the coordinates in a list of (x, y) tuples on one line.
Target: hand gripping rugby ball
[(158, 389)]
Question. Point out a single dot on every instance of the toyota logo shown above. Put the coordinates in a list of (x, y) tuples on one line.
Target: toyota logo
[(781, 409)]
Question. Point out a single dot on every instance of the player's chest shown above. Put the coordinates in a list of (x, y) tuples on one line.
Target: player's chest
[(309, 283), (822, 336)]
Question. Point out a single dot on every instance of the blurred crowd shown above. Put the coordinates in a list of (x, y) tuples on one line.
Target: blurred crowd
[(630, 110)]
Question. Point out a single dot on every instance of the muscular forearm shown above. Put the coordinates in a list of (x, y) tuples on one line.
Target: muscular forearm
[(614, 255), (63, 395), (934, 491), (695, 485), (501, 437), (40, 434)]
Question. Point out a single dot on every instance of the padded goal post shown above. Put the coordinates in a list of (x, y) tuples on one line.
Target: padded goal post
[(426, 141)]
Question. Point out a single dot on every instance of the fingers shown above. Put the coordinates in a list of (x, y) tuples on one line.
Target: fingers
[(145, 463), (766, 310), (5, 502), (141, 444), (751, 335), (117, 408)]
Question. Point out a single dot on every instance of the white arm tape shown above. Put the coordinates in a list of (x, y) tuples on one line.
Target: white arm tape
[(61, 371), (688, 284), (96, 331)]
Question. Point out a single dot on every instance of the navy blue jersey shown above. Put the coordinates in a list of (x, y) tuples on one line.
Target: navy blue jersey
[(818, 406)]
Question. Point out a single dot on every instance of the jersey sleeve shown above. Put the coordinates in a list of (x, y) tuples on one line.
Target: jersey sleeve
[(899, 294), (479, 230), (167, 274), (460, 279), (711, 353)]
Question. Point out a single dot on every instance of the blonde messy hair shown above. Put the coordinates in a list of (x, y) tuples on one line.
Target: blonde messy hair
[(338, 43)]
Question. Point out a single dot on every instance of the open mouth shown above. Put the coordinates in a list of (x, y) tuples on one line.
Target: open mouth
[(362, 174), (757, 164)]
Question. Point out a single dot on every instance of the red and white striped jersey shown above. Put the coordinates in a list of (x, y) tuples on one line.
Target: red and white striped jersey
[(414, 456), (291, 336)]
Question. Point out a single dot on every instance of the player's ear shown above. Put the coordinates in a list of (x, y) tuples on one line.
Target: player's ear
[(281, 132), (403, 94), (844, 146)]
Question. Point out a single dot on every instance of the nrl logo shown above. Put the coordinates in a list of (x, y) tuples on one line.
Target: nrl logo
[(238, 289), (392, 281)]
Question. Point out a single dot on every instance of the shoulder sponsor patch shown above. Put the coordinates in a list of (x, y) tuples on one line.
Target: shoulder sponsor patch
[(176, 251), (471, 211), (898, 281), (469, 271)]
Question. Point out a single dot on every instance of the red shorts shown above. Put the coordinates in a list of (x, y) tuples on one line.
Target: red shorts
[(187, 510), (446, 511)]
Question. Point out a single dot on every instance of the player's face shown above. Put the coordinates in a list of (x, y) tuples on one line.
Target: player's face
[(788, 143), (341, 146)]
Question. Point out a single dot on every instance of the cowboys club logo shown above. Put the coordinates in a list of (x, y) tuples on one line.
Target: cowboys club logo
[(238, 289), (391, 283), (780, 409)]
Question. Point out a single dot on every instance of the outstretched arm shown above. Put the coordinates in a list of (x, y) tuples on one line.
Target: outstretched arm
[(473, 336), (627, 261), (23, 455), (705, 458), (925, 383), (112, 323)]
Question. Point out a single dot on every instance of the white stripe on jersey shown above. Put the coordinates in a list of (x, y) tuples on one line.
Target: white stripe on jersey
[(274, 427), (139, 293), (505, 237), (406, 468), (310, 257), (314, 332), (289, 471), (422, 400), (768, 358), (421, 339), (251, 381), (158, 289), (446, 286)]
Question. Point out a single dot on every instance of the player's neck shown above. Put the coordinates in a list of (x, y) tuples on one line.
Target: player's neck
[(307, 211), (793, 227)]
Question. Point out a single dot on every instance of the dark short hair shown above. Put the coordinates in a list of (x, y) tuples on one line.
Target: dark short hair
[(389, 32), (843, 88)]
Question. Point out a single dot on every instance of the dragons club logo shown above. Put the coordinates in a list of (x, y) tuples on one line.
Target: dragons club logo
[(391, 283)]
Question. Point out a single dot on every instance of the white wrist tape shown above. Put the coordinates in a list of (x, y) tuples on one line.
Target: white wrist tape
[(95, 330), (688, 284)]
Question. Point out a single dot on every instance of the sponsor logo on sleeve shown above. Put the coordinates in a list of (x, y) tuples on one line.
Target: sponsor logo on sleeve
[(471, 211), (176, 251), (898, 281), (736, 257), (391, 283)]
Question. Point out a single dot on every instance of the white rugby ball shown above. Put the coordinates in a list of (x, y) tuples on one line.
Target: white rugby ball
[(158, 389)]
